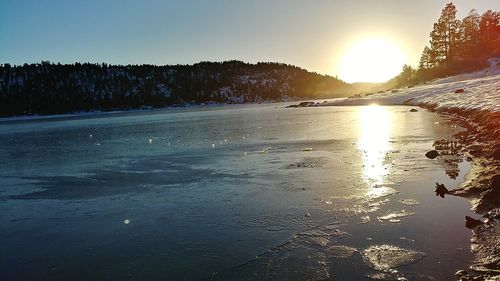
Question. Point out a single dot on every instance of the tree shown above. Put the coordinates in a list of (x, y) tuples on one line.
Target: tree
[(427, 60), (445, 34), (470, 34), (489, 33), (406, 76)]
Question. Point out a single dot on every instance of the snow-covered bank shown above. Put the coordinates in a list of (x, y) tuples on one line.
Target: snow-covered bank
[(472, 91), (481, 93)]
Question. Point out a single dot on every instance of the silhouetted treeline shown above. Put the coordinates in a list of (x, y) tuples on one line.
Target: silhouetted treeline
[(455, 46), (48, 88)]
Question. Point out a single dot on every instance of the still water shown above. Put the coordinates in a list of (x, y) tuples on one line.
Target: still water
[(254, 192)]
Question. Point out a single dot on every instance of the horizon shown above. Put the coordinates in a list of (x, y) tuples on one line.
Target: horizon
[(179, 33)]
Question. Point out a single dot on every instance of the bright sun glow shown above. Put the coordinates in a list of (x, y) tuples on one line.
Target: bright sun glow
[(372, 60)]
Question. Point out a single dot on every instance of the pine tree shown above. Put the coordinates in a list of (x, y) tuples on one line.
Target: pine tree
[(445, 34), (470, 34), (427, 59), (489, 33), (406, 75)]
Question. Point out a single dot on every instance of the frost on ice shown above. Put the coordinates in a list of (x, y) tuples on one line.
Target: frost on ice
[(388, 257)]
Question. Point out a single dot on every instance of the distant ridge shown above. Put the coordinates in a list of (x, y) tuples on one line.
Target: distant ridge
[(48, 88)]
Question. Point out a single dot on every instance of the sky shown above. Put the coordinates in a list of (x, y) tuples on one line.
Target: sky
[(313, 34)]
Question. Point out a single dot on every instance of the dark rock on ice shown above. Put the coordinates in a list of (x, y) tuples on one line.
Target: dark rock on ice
[(458, 91), (302, 104), (432, 154), (441, 190), (471, 222), (413, 110)]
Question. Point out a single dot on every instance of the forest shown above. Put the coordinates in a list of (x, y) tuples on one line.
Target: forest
[(48, 88), (455, 46)]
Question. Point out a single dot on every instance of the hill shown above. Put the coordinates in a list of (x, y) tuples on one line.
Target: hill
[(48, 88)]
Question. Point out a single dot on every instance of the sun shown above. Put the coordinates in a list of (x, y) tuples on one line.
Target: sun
[(372, 60)]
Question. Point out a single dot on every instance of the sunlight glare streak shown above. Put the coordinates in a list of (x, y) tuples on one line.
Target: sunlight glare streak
[(375, 130)]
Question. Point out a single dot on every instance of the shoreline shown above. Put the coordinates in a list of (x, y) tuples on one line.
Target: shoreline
[(97, 113), (481, 186)]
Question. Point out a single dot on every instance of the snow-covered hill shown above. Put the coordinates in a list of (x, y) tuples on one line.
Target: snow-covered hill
[(473, 91)]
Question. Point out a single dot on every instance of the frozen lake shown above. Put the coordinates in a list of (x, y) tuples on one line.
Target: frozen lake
[(253, 192)]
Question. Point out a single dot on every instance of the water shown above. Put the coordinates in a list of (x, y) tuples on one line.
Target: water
[(254, 192)]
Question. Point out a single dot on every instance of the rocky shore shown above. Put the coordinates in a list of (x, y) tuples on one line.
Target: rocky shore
[(481, 143)]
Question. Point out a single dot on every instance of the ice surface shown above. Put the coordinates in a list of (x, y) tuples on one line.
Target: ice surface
[(193, 210), (338, 251), (409, 201), (383, 191), (395, 216)]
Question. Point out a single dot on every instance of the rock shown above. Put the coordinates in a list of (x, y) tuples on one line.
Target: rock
[(441, 190), (493, 214), (394, 91), (432, 154), (302, 104), (306, 103), (471, 222), (462, 274), (495, 182), (413, 110), (458, 91)]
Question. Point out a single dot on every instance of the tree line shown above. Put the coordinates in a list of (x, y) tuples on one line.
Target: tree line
[(49, 88), (455, 46)]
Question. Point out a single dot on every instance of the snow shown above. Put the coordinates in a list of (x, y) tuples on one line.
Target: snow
[(481, 92)]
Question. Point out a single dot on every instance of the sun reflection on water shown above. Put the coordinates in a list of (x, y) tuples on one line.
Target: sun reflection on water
[(374, 134)]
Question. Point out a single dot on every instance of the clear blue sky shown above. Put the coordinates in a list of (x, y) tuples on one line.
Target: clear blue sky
[(310, 34)]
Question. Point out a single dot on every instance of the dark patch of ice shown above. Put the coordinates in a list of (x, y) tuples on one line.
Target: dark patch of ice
[(309, 162), (338, 251)]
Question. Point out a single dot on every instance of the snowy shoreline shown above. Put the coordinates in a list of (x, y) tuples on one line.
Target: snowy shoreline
[(97, 113)]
